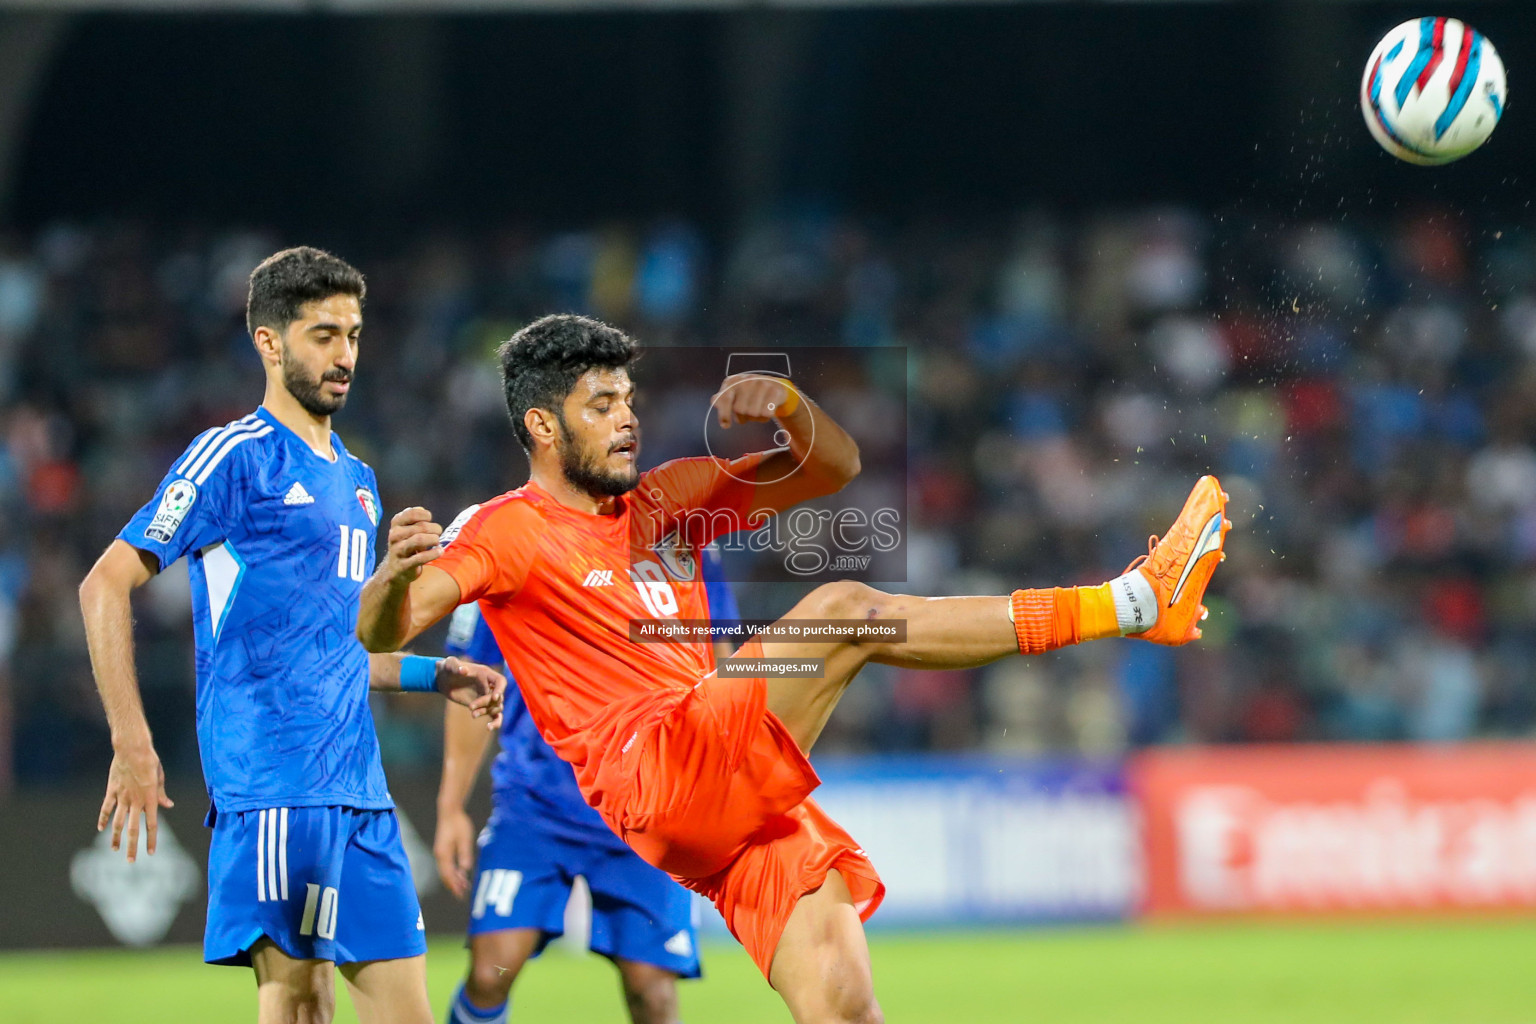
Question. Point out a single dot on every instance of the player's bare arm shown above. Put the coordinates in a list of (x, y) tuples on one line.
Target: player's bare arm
[(820, 458), (479, 688), (135, 781), (405, 595), (464, 748)]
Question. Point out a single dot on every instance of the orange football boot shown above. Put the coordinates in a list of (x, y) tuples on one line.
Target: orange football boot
[(1180, 564)]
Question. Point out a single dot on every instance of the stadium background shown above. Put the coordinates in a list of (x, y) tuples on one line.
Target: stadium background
[(1120, 244)]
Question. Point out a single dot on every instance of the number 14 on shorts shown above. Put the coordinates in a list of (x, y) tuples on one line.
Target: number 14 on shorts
[(497, 889)]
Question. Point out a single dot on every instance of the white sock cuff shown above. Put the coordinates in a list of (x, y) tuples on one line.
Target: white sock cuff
[(1135, 602), (462, 1011)]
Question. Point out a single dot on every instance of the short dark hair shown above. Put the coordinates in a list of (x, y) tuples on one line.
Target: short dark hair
[(541, 363), (282, 283)]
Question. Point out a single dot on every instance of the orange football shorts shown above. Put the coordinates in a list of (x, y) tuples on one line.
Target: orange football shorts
[(719, 797)]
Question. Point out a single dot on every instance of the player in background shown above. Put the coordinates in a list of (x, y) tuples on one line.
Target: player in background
[(705, 774), (541, 834), (277, 521)]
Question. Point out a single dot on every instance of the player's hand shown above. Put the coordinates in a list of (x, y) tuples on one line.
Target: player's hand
[(414, 540), (481, 689), (135, 788), (454, 849), (748, 398)]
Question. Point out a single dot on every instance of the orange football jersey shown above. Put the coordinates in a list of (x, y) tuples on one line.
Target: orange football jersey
[(559, 587)]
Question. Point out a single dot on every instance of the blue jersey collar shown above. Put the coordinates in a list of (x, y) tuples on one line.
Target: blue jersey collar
[(336, 445)]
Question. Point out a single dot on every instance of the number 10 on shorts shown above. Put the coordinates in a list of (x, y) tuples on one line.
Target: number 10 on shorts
[(319, 911)]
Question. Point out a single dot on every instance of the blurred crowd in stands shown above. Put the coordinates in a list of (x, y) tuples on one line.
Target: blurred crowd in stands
[(1364, 391)]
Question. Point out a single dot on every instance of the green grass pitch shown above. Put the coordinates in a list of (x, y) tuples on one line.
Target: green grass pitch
[(1418, 971)]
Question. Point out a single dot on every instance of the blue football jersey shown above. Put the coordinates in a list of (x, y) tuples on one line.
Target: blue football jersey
[(528, 778), (279, 541)]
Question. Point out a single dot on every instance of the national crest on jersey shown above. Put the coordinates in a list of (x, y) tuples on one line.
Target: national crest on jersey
[(370, 505), (678, 559), (279, 541)]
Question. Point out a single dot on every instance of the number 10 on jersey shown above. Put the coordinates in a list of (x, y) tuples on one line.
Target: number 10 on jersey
[(352, 559)]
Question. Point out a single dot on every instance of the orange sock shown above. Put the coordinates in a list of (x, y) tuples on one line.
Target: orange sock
[(1047, 619)]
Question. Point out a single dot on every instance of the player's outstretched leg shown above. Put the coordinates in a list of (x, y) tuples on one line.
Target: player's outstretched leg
[(291, 991), (821, 965), (495, 959), (650, 992), (1158, 599)]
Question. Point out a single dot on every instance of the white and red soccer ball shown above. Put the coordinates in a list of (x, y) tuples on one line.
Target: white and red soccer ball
[(1433, 90)]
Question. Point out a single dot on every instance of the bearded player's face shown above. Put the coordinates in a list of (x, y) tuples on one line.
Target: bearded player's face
[(319, 353), (599, 443)]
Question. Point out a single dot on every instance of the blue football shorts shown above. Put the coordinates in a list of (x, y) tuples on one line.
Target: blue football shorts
[(524, 877), (323, 883)]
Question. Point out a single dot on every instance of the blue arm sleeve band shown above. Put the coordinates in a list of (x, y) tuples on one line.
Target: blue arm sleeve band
[(418, 674)]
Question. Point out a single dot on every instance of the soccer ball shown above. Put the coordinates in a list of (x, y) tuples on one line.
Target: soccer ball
[(1433, 90)]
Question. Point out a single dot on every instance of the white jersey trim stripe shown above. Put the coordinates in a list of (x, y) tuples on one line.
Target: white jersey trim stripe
[(209, 443), (197, 449), (224, 435), (272, 853), (210, 437), (282, 851), (261, 857), (225, 449)]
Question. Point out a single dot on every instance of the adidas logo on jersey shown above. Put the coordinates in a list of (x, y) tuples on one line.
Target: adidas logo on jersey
[(599, 578), (297, 495)]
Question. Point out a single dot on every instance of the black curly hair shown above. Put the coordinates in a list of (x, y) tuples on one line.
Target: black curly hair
[(283, 282), (541, 363)]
